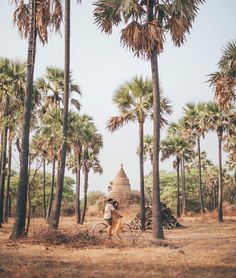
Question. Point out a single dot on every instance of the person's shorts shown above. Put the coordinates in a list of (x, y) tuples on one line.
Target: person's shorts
[(109, 221)]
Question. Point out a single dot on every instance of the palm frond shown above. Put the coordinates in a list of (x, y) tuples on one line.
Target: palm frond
[(142, 38)]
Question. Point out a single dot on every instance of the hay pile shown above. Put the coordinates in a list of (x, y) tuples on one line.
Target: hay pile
[(78, 239), (168, 219)]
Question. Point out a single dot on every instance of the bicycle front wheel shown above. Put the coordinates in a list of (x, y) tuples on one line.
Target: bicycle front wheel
[(100, 230), (125, 232)]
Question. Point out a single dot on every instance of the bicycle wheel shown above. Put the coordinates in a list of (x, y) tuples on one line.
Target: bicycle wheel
[(125, 232), (100, 230)]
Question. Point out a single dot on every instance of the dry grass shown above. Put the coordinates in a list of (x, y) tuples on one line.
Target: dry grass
[(203, 248)]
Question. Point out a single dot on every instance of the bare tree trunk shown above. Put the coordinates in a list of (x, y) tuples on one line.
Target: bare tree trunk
[(29, 202), (77, 210), (10, 202), (220, 191), (184, 208), (44, 188), (3, 172), (52, 188), (141, 172), (214, 197), (85, 195), (19, 224), (178, 185), (6, 211), (200, 175), (54, 220)]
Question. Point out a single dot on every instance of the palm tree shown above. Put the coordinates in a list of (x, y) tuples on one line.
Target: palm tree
[(52, 86), (176, 145), (55, 213), (218, 120), (147, 148), (78, 129), (51, 138), (147, 22), (194, 124), (12, 81), (224, 80), (91, 146), (91, 161), (31, 23), (134, 100)]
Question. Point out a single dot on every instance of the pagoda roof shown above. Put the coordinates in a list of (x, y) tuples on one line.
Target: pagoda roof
[(121, 174)]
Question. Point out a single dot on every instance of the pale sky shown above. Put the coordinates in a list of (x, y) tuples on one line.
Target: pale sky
[(99, 65)]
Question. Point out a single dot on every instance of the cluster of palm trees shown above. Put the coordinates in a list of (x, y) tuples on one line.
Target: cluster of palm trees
[(83, 140), (146, 23), (182, 137)]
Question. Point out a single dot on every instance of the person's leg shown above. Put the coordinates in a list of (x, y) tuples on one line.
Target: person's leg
[(109, 231), (109, 227)]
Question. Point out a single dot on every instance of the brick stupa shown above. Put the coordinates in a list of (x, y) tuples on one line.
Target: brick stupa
[(120, 187)]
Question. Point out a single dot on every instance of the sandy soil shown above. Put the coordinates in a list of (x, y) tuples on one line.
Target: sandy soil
[(203, 248)]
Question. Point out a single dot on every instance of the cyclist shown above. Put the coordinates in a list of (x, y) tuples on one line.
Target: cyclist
[(116, 218), (109, 208)]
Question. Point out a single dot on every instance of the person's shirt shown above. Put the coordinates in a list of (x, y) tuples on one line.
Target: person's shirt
[(108, 209)]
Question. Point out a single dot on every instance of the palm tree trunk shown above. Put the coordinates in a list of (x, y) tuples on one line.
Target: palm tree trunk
[(220, 193), (177, 198), (214, 198), (200, 175), (184, 209), (85, 195), (157, 229), (6, 211), (3, 173), (77, 201), (54, 221), (28, 210), (10, 202), (141, 172), (29, 202), (19, 224), (44, 188), (156, 202), (52, 188)]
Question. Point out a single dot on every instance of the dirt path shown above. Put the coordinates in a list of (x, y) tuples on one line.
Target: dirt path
[(201, 249)]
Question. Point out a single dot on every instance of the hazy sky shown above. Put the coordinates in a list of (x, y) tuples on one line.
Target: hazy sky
[(99, 65)]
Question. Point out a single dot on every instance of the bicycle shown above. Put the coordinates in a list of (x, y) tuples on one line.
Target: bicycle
[(100, 230)]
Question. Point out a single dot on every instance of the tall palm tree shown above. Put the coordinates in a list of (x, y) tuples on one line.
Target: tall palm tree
[(194, 124), (55, 214), (12, 81), (77, 135), (91, 145), (51, 139), (146, 24), (33, 19), (224, 80), (218, 120), (134, 100)]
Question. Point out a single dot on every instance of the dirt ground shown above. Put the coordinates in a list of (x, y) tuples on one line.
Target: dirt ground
[(203, 248)]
